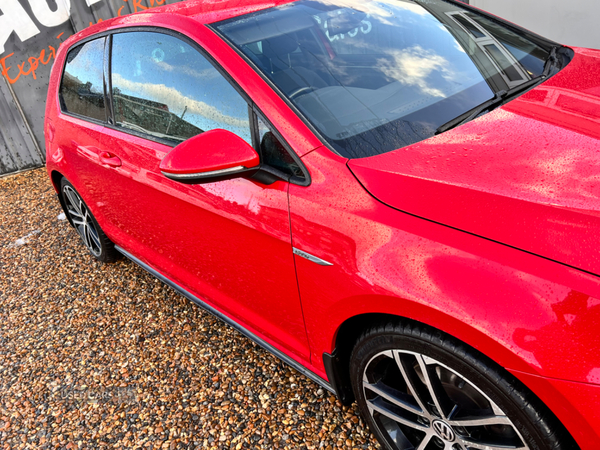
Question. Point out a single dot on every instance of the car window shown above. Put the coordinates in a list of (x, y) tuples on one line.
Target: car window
[(164, 87), (274, 153), (82, 85), (376, 76), (529, 55)]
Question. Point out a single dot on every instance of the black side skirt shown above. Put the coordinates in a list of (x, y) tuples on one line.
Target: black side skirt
[(219, 315)]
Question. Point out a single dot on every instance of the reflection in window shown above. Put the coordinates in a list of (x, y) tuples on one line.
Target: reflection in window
[(163, 87), (529, 55), (505, 59), (371, 78), (502, 61), (82, 87), (375, 76), (470, 27), (274, 154)]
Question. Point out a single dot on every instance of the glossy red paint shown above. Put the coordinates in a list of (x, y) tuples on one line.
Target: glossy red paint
[(575, 404), (524, 177), (192, 234), (227, 150), (528, 312)]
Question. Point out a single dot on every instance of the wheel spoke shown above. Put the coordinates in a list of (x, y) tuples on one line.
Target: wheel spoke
[(74, 213), (85, 236), (433, 389), (75, 200), (481, 446), (379, 406), (434, 386), (475, 422), (424, 442), (410, 378), (393, 396), (94, 236)]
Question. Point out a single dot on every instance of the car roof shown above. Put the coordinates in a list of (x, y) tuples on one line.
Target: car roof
[(208, 11), (199, 11)]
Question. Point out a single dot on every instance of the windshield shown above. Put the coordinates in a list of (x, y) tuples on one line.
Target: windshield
[(374, 76)]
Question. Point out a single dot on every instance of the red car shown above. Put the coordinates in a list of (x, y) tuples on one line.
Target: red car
[(399, 198)]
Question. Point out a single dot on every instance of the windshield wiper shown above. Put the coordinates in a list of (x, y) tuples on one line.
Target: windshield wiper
[(551, 62), (471, 114)]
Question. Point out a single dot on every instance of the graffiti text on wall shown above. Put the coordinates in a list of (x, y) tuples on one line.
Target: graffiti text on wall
[(137, 7), (33, 61), (15, 19)]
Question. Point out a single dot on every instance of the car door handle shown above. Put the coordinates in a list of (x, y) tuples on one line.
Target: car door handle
[(109, 159)]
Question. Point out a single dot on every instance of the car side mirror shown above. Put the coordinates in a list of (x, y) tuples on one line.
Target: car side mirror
[(211, 156)]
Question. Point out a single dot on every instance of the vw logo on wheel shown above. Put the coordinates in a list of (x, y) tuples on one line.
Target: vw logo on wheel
[(443, 430)]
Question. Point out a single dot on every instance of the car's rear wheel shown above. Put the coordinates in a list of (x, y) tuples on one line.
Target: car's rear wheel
[(421, 389), (97, 243)]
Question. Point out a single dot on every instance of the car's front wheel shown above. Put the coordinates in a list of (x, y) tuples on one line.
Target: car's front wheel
[(97, 243), (420, 389)]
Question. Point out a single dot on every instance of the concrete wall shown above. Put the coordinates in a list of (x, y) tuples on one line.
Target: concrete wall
[(569, 22)]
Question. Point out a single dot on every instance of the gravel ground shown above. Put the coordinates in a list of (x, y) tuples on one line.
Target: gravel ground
[(106, 356)]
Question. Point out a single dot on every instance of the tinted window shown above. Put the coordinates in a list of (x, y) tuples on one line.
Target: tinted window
[(82, 87), (379, 75), (163, 87), (530, 56), (274, 153)]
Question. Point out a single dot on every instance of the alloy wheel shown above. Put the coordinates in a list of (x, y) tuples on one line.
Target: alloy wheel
[(419, 403), (82, 220)]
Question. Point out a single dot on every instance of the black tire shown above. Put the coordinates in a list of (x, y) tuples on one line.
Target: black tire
[(388, 367), (85, 224)]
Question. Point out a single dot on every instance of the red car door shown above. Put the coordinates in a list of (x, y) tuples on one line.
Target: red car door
[(227, 242)]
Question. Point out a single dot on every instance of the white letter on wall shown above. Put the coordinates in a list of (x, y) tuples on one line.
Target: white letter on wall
[(15, 18), (50, 18)]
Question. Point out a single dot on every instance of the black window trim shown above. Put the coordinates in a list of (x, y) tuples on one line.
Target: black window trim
[(108, 98), (62, 106), (110, 119), (256, 113), (543, 42), (187, 40)]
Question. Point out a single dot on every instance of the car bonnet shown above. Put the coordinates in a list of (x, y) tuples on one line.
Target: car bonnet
[(526, 174)]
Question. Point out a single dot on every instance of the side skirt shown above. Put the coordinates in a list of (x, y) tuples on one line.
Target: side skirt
[(219, 315)]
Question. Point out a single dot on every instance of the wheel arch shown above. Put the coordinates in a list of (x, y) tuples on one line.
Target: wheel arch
[(337, 364), (55, 177), (355, 314), (349, 331)]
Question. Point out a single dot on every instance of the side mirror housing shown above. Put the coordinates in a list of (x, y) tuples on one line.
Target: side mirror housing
[(211, 156)]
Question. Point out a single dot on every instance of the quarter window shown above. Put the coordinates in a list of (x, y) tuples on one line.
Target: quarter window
[(82, 86), (163, 87), (274, 153)]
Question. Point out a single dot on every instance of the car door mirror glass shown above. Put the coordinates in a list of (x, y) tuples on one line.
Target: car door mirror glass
[(214, 155)]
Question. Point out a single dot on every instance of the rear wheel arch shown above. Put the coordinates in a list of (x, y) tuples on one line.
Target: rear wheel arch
[(83, 221), (56, 177)]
